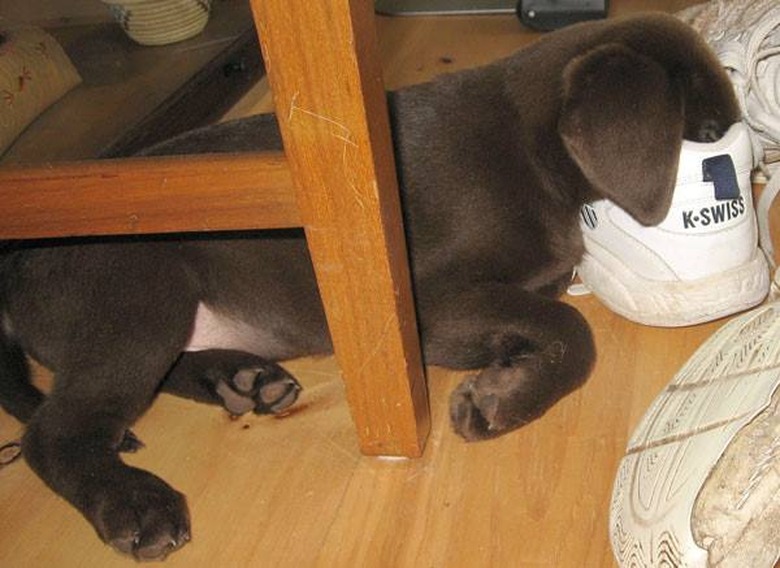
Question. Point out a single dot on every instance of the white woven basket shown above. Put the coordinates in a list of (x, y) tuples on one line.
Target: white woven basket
[(159, 22)]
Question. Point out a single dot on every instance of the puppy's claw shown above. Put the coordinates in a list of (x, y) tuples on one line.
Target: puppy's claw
[(130, 443), (279, 395)]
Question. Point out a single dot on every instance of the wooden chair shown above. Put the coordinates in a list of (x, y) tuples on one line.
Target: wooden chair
[(336, 179)]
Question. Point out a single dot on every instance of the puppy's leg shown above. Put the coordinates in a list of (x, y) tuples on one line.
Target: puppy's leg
[(239, 381), (20, 398), (73, 438), (533, 350), (110, 333), (72, 443)]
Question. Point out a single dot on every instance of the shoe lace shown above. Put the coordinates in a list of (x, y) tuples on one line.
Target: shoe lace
[(756, 82)]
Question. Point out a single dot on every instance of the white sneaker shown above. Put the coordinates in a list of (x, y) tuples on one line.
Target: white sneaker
[(700, 480), (701, 262), (745, 35)]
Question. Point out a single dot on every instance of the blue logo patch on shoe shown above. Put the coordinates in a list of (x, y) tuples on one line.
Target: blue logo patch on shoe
[(721, 172)]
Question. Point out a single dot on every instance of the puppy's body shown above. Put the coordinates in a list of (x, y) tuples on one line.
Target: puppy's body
[(494, 164)]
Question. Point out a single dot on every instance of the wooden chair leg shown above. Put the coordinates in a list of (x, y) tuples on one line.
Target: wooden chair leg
[(323, 66)]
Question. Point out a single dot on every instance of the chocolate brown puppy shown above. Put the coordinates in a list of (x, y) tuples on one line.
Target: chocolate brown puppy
[(494, 165)]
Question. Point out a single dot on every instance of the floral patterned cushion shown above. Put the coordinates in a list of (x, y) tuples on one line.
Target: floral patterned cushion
[(34, 73)]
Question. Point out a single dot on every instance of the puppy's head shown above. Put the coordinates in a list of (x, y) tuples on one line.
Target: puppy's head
[(628, 102)]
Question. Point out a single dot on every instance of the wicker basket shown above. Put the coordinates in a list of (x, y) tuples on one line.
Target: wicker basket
[(159, 22)]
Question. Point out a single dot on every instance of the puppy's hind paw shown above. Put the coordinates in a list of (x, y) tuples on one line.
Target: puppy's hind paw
[(267, 389)]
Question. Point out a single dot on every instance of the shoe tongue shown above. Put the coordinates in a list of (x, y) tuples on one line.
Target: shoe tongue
[(721, 172)]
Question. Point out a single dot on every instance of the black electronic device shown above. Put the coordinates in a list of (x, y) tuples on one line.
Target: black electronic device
[(546, 15)]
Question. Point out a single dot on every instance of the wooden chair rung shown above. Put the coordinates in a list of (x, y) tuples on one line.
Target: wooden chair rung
[(148, 195)]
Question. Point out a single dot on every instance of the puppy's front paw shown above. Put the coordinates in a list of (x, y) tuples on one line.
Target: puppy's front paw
[(141, 515), (497, 400), (267, 389)]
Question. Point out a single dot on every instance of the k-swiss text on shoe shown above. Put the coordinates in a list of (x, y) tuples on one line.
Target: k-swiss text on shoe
[(715, 214)]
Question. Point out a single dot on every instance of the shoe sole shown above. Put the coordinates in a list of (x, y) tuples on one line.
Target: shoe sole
[(727, 383), (676, 303)]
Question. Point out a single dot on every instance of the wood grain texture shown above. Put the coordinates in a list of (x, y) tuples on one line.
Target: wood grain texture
[(147, 195), (324, 70)]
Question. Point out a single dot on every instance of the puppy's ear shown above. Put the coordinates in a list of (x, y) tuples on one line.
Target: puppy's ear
[(622, 123)]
